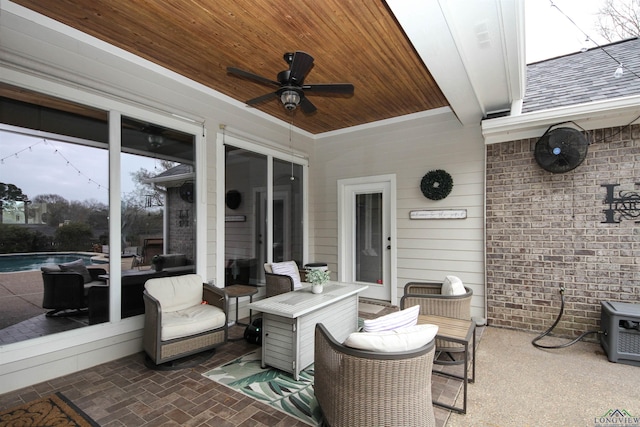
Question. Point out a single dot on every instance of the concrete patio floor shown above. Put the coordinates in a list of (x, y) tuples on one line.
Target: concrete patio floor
[(520, 385)]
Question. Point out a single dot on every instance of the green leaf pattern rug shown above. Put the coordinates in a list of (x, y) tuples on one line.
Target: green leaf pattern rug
[(271, 386)]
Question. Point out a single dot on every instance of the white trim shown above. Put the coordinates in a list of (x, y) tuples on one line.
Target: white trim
[(591, 115), (343, 226), (220, 207)]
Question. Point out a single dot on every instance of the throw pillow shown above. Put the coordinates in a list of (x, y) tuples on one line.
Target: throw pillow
[(403, 339), (399, 319), (452, 285), (77, 266), (288, 268)]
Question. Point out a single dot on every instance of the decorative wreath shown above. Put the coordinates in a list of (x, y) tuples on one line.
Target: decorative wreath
[(233, 199), (436, 184)]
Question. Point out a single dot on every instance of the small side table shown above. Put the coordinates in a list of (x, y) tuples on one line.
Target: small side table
[(239, 291), (461, 332)]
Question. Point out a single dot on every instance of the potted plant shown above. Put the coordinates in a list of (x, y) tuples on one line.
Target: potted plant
[(317, 277)]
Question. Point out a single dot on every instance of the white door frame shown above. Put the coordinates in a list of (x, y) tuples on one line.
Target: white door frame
[(344, 227)]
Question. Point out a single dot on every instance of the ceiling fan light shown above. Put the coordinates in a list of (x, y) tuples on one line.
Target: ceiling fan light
[(290, 99), (155, 140)]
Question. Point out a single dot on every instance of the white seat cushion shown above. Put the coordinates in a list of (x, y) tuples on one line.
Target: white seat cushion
[(289, 268), (452, 285), (176, 292), (399, 319), (403, 339), (190, 321)]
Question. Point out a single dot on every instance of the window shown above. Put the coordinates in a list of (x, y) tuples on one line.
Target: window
[(54, 209)]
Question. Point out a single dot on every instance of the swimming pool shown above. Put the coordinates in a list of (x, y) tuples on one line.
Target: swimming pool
[(33, 261)]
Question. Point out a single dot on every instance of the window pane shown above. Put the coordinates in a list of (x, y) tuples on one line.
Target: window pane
[(53, 210), (287, 212), (369, 238), (246, 216)]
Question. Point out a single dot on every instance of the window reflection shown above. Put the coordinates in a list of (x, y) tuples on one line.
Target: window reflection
[(54, 212)]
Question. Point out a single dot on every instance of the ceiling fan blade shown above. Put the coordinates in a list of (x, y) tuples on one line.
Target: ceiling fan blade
[(346, 88), (300, 66), (262, 98), (307, 106), (251, 76)]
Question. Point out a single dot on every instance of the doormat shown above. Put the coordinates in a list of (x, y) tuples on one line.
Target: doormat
[(364, 307), (50, 411), (271, 386)]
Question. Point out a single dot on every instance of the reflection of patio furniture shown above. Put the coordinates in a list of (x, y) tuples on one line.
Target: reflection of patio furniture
[(241, 271), (65, 292), (151, 248), (370, 388), (177, 322), (131, 303), (173, 264), (277, 283)]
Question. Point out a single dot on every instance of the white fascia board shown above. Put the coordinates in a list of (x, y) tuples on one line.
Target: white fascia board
[(513, 26), (426, 27), (592, 115)]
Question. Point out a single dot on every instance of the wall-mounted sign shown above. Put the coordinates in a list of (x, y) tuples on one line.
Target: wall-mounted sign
[(439, 214), (235, 218), (625, 206)]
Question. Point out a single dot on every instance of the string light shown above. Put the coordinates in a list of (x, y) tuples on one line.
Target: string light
[(55, 152), (619, 72)]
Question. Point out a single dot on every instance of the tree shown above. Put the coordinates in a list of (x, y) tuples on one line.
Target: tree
[(9, 195), (74, 237), (17, 239), (57, 208), (619, 19)]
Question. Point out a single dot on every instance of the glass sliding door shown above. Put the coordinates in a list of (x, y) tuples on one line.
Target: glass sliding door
[(263, 217), (245, 215)]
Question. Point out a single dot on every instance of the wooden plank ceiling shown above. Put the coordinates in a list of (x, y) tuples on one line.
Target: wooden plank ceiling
[(356, 42)]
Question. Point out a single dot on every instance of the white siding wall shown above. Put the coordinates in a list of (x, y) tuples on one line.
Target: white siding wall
[(428, 250)]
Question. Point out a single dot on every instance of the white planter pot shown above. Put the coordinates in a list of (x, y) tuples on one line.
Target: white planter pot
[(316, 289)]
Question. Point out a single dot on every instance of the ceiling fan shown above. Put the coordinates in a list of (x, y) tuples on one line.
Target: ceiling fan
[(291, 88)]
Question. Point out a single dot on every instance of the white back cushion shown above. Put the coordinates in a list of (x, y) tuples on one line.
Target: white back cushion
[(403, 339), (177, 292), (399, 319), (289, 268), (452, 285)]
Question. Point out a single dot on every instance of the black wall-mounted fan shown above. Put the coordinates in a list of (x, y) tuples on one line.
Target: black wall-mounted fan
[(561, 150), (186, 192), (291, 88)]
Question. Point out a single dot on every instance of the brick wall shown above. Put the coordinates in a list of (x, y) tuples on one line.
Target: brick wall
[(546, 230), (181, 225)]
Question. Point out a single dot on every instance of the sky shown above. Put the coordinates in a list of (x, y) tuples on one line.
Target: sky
[(75, 172), (80, 173), (549, 33)]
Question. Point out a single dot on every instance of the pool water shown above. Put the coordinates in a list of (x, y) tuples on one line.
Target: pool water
[(25, 262)]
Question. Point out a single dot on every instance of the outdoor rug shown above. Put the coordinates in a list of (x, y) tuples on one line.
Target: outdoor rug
[(271, 386), (54, 410)]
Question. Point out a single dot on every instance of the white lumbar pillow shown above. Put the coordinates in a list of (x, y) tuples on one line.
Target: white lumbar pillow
[(289, 268), (403, 339), (452, 285), (398, 319)]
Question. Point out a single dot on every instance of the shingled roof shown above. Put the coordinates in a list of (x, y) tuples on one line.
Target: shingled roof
[(583, 77)]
